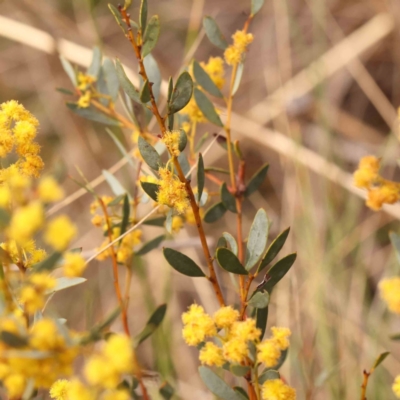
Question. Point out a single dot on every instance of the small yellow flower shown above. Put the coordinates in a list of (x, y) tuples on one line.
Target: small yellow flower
[(74, 265), (177, 223), (84, 100), (268, 352), (15, 385), (246, 330), (276, 389), (235, 350), (59, 232), (388, 192), (49, 190), (233, 55), (367, 172), (281, 335), (59, 389), (225, 317), (171, 140), (119, 353), (215, 69), (242, 39), (97, 220), (84, 80), (211, 354), (396, 386), (390, 293), (197, 325), (78, 391)]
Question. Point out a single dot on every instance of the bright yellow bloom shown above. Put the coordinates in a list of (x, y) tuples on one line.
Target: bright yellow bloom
[(388, 192), (276, 389), (396, 386), (49, 190), (74, 265), (98, 373), (172, 191), (59, 232), (32, 296), (84, 80), (78, 391), (235, 350), (281, 336), (15, 385), (245, 330), (197, 325), (225, 317), (5, 196), (193, 112), (84, 100), (177, 223), (268, 352), (171, 140), (215, 69), (211, 354), (390, 293), (367, 172), (59, 389), (233, 55), (97, 220), (242, 39)]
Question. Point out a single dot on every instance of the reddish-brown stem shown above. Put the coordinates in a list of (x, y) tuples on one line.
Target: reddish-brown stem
[(364, 385), (115, 269)]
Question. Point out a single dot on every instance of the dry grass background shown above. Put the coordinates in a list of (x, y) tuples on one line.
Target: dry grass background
[(320, 89)]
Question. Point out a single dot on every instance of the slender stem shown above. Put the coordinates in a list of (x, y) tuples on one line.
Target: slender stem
[(257, 384), (364, 385), (112, 113), (115, 269)]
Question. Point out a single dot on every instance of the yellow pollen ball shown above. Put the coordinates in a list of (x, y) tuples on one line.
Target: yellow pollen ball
[(59, 390), (59, 232), (74, 265), (396, 386), (49, 190), (225, 317), (276, 389), (211, 354), (390, 293)]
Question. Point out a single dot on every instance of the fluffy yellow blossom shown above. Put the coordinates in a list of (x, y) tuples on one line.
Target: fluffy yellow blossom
[(197, 325), (215, 69), (177, 223), (59, 232), (25, 222), (97, 220), (78, 391), (28, 251), (74, 265), (193, 112), (388, 192), (235, 350), (276, 389), (281, 335), (84, 100), (390, 293), (84, 80), (396, 386), (234, 53), (5, 196), (242, 39), (98, 373), (172, 191), (15, 385), (268, 352), (211, 354), (129, 241), (171, 140), (225, 317), (59, 389), (245, 330), (49, 190), (367, 172)]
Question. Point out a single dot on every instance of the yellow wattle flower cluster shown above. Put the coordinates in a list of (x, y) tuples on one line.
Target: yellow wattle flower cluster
[(84, 84), (74, 264), (26, 255), (171, 140), (276, 389), (54, 355), (380, 190), (269, 351), (396, 386), (234, 53), (390, 293), (18, 128)]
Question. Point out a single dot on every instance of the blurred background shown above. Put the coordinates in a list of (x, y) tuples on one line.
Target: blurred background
[(320, 90)]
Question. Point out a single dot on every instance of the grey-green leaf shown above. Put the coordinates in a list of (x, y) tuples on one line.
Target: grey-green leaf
[(261, 320), (151, 35), (152, 324), (229, 262), (231, 241), (395, 240), (166, 391), (214, 33), (94, 67), (259, 300), (257, 240), (111, 78), (184, 163), (48, 264), (182, 93), (256, 180), (64, 283), (149, 246), (268, 375), (151, 189), (228, 199), (69, 70), (92, 114), (154, 75), (274, 249), (214, 213), (115, 12), (145, 92), (149, 154), (239, 370), (204, 80), (200, 177), (207, 107), (114, 183), (159, 221), (279, 270), (182, 263), (126, 210), (256, 6), (125, 83), (238, 78), (380, 359), (143, 15), (216, 385), (182, 140)]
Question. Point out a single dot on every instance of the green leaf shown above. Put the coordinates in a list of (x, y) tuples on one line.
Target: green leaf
[(268, 375), (228, 199), (64, 283), (125, 83), (261, 320), (151, 35), (166, 391), (257, 238), (200, 177), (239, 370), (114, 183), (201, 141), (151, 245), (380, 359), (204, 80), (117, 15), (154, 76), (151, 189), (279, 270), (159, 221), (241, 392), (168, 221), (94, 67), (207, 107), (127, 4), (182, 140), (149, 154), (48, 264), (182, 93), (143, 15), (213, 33), (259, 300), (111, 78), (217, 386), (231, 241), (65, 91), (145, 92), (238, 78), (184, 163), (13, 340), (274, 249), (214, 213), (229, 262), (121, 147), (182, 263), (152, 324), (256, 180), (216, 169), (92, 114), (256, 6), (69, 70), (126, 210), (116, 200), (395, 240)]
